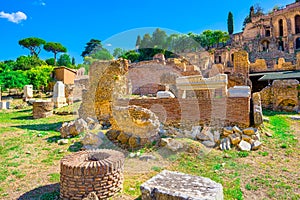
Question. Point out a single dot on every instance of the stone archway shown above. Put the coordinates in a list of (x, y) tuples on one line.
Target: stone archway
[(280, 27), (297, 24)]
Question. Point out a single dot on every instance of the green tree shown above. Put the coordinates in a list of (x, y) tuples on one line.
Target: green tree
[(13, 79), (102, 54), (230, 23), (73, 61), (146, 41), (131, 55), (118, 52), (91, 46), (40, 76), (138, 41), (50, 61), (33, 44), (159, 38), (55, 48), (27, 62), (64, 60)]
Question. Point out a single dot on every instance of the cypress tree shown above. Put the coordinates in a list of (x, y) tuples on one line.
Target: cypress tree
[(230, 23)]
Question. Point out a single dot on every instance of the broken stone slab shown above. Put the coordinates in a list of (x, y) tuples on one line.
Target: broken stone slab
[(237, 130), (92, 141), (164, 94), (209, 143), (256, 145), (247, 138), (227, 131), (235, 138), (250, 131), (239, 91), (206, 134), (244, 146), (179, 186), (295, 117), (225, 144)]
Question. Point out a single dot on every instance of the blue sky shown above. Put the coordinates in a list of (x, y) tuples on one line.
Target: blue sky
[(116, 22)]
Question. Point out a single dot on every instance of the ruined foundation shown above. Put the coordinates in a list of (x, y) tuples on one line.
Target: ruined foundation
[(99, 171)]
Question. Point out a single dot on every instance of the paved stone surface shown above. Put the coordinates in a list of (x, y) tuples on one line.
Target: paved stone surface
[(179, 186)]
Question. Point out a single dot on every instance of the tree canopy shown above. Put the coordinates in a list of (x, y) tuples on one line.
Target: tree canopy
[(55, 48), (33, 44), (91, 46)]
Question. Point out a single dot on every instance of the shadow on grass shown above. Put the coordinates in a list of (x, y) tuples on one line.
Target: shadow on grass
[(23, 118), (273, 113), (25, 110), (40, 127), (75, 147), (53, 139), (44, 192)]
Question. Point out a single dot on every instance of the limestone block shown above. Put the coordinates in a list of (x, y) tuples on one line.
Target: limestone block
[(225, 144), (239, 91), (244, 146), (164, 94), (42, 109), (4, 105), (28, 92), (178, 186)]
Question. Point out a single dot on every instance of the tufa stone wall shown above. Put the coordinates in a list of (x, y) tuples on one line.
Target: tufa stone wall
[(282, 95), (241, 63), (258, 66)]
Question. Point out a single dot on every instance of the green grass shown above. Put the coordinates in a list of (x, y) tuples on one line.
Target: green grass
[(54, 177)]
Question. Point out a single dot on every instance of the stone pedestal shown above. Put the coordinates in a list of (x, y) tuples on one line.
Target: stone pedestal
[(178, 186), (4, 105), (28, 92), (42, 109), (59, 98)]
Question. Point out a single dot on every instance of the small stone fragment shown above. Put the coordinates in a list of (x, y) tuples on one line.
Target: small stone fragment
[(244, 146), (249, 131), (225, 144), (235, 138), (256, 145), (227, 131), (62, 141), (237, 130)]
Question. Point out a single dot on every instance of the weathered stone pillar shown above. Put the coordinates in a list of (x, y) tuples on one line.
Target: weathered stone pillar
[(59, 98), (257, 109)]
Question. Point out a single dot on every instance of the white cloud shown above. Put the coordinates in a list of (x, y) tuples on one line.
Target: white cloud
[(109, 45), (39, 3), (14, 17)]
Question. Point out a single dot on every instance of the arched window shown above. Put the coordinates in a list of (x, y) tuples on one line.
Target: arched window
[(297, 24), (280, 24), (298, 43)]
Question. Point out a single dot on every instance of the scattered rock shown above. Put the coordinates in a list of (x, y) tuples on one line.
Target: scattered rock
[(246, 138), (132, 155), (250, 131), (40, 135), (209, 143), (235, 138), (73, 128), (295, 117), (256, 145), (92, 141), (225, 144), (173, 144), (147, 157), (227, 131), (237, 130), (28, 152), (62, 141), (244, 146), (268, 134)]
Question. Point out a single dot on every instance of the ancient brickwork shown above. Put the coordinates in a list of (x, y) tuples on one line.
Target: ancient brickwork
[(222, 111), (80, 85), (99, 171)]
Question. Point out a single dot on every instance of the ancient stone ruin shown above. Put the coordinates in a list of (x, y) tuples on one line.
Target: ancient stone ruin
[(178, 186), (282, 95), (98, 171), (42, 109), (59, 98)]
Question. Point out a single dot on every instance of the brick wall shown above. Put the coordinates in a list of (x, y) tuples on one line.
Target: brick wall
[(219, 111)]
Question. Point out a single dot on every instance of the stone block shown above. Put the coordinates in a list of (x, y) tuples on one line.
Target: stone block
[(239, 91), (4, 105), (178, 186), (164, 94)]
